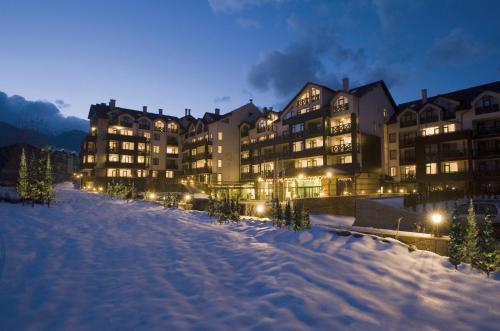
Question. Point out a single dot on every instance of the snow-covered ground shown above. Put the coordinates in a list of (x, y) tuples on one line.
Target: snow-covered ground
[(93, 263)]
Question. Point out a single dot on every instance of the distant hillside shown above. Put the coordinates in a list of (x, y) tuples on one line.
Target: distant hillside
[(69, 140)]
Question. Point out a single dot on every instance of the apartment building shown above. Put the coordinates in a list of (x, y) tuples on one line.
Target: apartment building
[(324, 142), (447, 141), (130, 145)]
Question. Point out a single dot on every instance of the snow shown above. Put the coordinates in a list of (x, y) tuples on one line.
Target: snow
[(92, 263)]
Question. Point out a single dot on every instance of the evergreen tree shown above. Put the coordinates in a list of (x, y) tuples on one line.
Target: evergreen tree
[(297, 216), (32, 170), (306, 222), (456, 248), (279, 215), (288, 214), (23, 183), (48, 182), (470, 236), (488, 257), (211, 206), (274, 212)]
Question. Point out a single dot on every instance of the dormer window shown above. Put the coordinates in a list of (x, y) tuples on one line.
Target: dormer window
[(303, 99), (315, 93), (144, 124), (487, 104), (429, 115), (172, 127), (340, 104), (126, 121), (159, 126), (261, 126), (408, 119)]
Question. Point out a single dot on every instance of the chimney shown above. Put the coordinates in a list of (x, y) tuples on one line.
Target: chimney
[(345, 84), (112, 103), (186, 113), (144, 109), (217, 111), (189, 111), (251, 100), (424, 95), (160, 111)]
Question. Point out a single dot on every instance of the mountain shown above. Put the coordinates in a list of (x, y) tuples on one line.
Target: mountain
[(69, 140)]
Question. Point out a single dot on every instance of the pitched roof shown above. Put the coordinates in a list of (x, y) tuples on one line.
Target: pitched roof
[(102, 110), (464, 97)]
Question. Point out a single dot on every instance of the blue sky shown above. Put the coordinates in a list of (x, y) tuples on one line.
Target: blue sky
[(219, 53)]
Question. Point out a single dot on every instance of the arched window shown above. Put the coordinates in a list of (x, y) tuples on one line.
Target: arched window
[(487, 104), (172, 127), (126, 121), (159, 126), (144, 124)]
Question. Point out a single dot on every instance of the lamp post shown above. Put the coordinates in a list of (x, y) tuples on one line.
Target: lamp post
[(436, 219)]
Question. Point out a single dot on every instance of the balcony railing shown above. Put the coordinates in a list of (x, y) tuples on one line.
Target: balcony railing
[(314, 130), (408, 177), (487, 152), (405, 124), (340, 149), (407, 159), (453, 154), (430, 119), (486, 110), (486, 131), (340, 129), (340, 108)]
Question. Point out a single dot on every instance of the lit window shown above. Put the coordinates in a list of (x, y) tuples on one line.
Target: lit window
[(219, 135), (142, 173), (154, 173), (159, 125), (140, 159), (172, 150), (219, 149), (430, 131), (90, 158), (156, 149), (449, 128), (146, 135), (450, 167), (169, 174), (345, 159), (393, 171), (219, 163), (245, 169), (219, 178), (127, 145), (431, 168), (125, 173), (112, 173), (126, 159), (113, 158), (141, 147), (125, 132)]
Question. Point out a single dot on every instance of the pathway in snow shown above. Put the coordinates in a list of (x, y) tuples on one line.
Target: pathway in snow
[(94, 263)]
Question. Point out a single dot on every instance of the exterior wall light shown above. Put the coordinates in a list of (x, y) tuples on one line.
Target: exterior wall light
[(301, 176), (260, 209)]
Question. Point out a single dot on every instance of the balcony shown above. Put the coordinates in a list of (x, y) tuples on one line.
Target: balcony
[(340, 129), (429, 119), (313, 151), (114, 136), (408, 178), (314, 131), (407, 159), (487, 152), (144, 127), (486, 131), (340, 149), (300, 118), (197, 143), (248, 176), (453, 154), (340, 108), (406, 124), (172, 155), (315, 98), (202, 170), (407, 142), (486, 110)]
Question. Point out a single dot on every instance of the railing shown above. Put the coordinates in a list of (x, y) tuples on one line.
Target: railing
[(405, 124), (408, 177), (429, 119), (315, 98), (340, 129), (447, 115), (406, 142), (144, 126), (407, 159), (172, 154), (450, 154), (486, 110), (340, 149), (488, 152), (313, 130), (487, 131), (340, 108)]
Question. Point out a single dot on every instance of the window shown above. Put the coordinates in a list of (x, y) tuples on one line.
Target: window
[(113, 158), (219, 135), (125, 173), (449, 128), (289, 115), (392, 137), (450, 167), (146, 135), (156, 136), (219, 178), (219, 149), (128, 145), (159, 126), (298, 146), (141, 147), (141, 159), (112, 172), (393, 171), (345, 159), (172, 127), (172, 150), (142, 173), (154, 173), (431, 168), (126, 159), (169, 174), (219, 163), (393, 154), (245, 169), (340, 104), (298, 128), (144, 124), (429, 115), (156, 161), (156, 149), (113, 145), (429, 131), (486, 104), (126, 121), (90, 158)]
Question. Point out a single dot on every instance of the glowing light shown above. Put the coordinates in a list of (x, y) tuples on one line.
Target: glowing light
[(191, 181), (363, 192), (301, 176), (414, 191), (321, 194), (401, 191), (260, 179), (100, 188), (187, 197), (260, 209), (436, 218), (329, 174), (203, 192), (152, 196), (389, 191)]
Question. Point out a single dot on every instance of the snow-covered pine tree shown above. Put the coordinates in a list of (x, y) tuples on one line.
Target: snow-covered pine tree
[(297, 216), (306, 222), (274, 211), (288, 214), (211, 206), (488, 256), (48, 182), (456, 248), (22, 183), (470, 236)]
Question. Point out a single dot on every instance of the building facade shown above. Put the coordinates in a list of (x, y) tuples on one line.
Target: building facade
[(449, 141), (324, 142)]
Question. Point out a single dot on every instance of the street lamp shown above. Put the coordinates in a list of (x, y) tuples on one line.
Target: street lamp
[(260, 209), (436, 219)]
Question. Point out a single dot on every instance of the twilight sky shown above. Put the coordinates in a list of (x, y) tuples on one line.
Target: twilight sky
[(203, 54)]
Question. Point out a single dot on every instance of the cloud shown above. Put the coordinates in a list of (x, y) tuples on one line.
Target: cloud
[(225, 98), (248, 23), (43, 116), (61, 104), (233, 6), (457, 47)]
